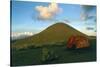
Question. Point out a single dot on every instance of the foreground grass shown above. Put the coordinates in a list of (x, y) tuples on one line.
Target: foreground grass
[(33, 56)]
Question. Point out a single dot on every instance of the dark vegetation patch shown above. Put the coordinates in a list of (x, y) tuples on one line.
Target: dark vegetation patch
[(52, 54)]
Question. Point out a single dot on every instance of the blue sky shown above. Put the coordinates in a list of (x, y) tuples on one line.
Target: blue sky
[(24, 17)]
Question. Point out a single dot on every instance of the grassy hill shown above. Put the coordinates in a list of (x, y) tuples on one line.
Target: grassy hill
[(49, 47), (59, 32)]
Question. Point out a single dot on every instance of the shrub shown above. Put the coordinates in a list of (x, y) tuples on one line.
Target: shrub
[(45, 54), (48, 55)]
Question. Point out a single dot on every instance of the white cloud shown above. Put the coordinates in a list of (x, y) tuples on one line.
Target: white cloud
[(86, 12), (83, 16), (48, 12), (88, 32), (18, 34)]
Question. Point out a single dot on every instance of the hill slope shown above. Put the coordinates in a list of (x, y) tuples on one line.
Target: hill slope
[(58, 32)]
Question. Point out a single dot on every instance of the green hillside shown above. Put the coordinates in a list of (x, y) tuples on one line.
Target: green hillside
[(49, 47), (59, 32), (60, 54)]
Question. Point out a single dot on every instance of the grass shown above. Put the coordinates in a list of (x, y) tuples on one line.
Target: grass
[(33, 56)]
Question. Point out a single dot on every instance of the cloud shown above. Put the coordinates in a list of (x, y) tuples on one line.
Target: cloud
[(86, 16), (89, 32), (48, 12), (17, 34), (86, 12), (83, 16), (20, 35), (67, 21), (89, 28)]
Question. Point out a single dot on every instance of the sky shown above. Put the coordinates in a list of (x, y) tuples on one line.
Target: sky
[(34, 17)]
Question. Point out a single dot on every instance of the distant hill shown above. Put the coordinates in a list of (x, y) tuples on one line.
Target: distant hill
[(58, 32)]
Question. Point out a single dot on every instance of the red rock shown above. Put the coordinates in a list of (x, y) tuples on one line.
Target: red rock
[(78, 42)]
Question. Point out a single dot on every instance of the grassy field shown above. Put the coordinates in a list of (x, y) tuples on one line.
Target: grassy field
[(52, 55)]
